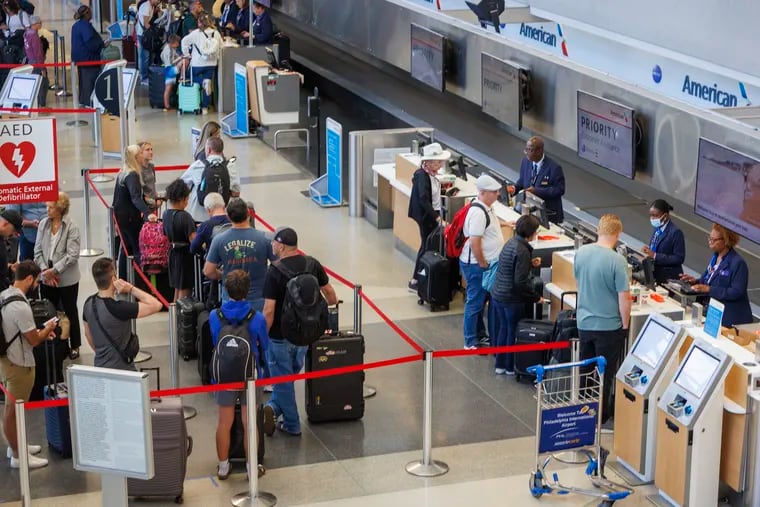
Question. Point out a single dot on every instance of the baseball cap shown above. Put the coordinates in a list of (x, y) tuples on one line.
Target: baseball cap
[(434, 152), (286, 236), (486, 182), (14, 217)]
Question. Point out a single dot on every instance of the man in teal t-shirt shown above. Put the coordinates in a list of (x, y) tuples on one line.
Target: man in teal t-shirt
[(604, 301)]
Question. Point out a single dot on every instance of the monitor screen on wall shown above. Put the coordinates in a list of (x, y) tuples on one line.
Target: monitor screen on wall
[(427, 64), (728, 189), (501, 90), (605, 134)]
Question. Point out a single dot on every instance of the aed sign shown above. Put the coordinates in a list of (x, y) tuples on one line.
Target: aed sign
[(28, 160)]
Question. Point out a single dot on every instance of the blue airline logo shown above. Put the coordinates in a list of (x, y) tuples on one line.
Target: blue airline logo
[(709, 93), (538, 34)]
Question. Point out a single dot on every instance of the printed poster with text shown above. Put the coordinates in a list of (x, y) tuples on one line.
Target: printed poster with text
[(568, 427), (29, 160)]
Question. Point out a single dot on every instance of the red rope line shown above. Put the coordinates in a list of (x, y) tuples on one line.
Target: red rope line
[(91, 63), (501, 350), (8, 396), (408, 339), (95, 189), (159, 168), (83, 110)]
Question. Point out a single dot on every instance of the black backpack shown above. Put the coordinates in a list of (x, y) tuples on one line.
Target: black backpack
[(216, 178), (233, 359), (4, 343), (304, 311), (26, 6), (153, 38), (176, 26)]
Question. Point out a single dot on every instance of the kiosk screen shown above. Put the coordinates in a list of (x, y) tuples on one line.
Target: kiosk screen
[(653, 342), (22, 89), (696, 372)]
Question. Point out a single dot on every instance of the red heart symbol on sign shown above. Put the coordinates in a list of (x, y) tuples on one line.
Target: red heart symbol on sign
[(17, 158)]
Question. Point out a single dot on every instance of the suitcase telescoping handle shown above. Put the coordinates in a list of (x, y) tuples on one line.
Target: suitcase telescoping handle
[(158, 378), (567, 293)]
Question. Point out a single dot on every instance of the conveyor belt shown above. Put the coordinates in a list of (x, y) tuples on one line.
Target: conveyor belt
[(395, 92)]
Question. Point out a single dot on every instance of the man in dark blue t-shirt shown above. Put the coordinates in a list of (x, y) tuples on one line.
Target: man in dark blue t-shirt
[(240, 247)]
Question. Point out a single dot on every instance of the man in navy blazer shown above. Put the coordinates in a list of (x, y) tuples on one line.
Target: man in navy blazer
[(229, 13), (543, 177), (263, 29)]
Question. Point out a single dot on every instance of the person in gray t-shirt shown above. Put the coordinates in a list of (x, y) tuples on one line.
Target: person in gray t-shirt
[(107, 320)]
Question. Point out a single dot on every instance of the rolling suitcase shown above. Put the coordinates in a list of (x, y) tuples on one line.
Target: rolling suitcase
[(189, 96), (171, 448), (565, 328), (128, 50), (339, 397), (156, 86), (529, 332), (204, 347), (188, 309), (434, 281), (237, 436), (57, 425)]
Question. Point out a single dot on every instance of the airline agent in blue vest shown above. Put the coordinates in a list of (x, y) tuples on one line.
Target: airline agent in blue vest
[(667, 246), (726, 277)]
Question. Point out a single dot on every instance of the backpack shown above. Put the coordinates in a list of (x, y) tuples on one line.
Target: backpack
[(175, 27), (4, 343), (232, 359), (304, 311), (26, 6), (209, 48), (454, 232), (220, 228), (216, 178), (152, 38), (154, 248)]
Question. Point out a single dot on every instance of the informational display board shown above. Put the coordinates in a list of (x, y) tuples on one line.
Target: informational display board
[(29, 159), (195, 138), (427, 63), (605, 134), (714, 317), (501, 90), (334, 159), (241, 100), (569, 427), (110, 421)]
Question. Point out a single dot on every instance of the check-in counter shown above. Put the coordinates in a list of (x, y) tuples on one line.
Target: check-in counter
[(741, 381), (394, 185), (563, 280), (229, 56), (273, 95)]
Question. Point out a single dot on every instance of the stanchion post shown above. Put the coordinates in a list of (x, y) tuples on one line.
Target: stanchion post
[(56, 84), (111, 235), (65, 91), (173, 353), (75, 84), (142, 355), (23, 454), (87, 251), (367, 390), (253, 497), (427, 467)]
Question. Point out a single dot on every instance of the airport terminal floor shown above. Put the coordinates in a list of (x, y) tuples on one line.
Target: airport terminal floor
[(483, 424)]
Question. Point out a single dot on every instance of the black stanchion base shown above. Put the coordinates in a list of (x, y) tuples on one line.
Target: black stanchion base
[(76, 123)]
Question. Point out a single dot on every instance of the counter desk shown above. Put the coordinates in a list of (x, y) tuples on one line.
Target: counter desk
[(394, 186), (229, 56)]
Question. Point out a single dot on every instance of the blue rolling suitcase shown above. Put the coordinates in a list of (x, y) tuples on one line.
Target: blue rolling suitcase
[(57, 425), (189, 96)]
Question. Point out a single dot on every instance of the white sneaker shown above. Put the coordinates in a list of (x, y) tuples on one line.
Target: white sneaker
[(33, 449), (34, 462), (204, 111), (500, 371)]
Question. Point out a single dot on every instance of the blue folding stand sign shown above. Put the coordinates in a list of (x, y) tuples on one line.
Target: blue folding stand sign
[(235, 124), (327, 190)]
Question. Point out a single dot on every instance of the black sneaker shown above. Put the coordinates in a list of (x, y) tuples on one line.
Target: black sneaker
[(412, 286), (268, 423), (281, 427), (484, 341)]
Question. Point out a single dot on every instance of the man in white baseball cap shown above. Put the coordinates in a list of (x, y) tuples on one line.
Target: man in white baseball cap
[(425, 201), (483, 245)]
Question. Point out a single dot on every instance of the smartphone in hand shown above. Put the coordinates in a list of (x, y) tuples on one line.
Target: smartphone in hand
[(54, 320)]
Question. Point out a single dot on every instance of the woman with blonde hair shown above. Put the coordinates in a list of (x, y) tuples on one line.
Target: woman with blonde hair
[(210, 129), (56, 252), (129, 207)]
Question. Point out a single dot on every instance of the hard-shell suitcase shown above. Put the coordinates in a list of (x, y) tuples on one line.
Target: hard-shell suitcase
[(339, 397), (57, 425), (565, 328), (188, 309), (171, 448), (435, 242), (434, 282), (529, 332), (237, 435), (156, 86), (128, 50), (189, 96), (204, 347)]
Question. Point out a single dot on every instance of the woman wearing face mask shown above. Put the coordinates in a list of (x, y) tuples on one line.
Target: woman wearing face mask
[(666, 247)]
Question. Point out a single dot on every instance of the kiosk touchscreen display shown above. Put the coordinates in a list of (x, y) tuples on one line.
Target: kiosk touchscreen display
[(652, 344), (22, 89), (696, 372)]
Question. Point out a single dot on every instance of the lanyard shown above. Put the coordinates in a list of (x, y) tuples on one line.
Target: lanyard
[(712, 268), (656, 237)]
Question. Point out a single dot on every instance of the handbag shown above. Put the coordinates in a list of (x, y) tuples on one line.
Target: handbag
[(65, 325), (489, 275), (133, 344)]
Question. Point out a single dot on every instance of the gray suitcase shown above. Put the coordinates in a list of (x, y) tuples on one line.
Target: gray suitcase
[(171, 448)]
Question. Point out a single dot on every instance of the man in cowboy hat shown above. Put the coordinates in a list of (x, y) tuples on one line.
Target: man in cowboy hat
[(425, 201)]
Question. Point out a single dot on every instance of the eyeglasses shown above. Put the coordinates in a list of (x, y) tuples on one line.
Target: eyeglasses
[(529, 149), (710, 239)]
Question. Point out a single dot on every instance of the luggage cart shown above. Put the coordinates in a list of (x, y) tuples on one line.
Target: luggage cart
[(569, 419)]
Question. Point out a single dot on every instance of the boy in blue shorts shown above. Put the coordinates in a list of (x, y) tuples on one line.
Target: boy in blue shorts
[(173, 62), (235, 311)]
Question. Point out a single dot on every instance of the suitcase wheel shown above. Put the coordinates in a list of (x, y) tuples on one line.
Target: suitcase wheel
[(420, 302), (179, 499), (186, 358)]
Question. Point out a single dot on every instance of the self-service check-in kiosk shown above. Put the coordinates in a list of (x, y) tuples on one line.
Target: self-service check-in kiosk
[(640, 382), (689, 429), (111, 125), (20, 91)]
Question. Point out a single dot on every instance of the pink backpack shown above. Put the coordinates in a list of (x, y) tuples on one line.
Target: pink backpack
[(154, 248)]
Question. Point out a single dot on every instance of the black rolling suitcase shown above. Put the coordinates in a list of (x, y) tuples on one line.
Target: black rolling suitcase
[(565, 328), (188, 309), (530, 332), (434, 281), (237, 435), (205, 347), (340, 397), (156, 86)]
